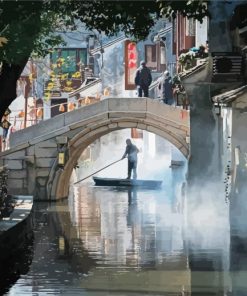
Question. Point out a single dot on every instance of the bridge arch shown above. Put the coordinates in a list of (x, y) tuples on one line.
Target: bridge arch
[(175, 134), (35, 149)]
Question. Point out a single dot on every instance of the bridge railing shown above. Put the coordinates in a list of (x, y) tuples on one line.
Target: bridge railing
[(122, 106)]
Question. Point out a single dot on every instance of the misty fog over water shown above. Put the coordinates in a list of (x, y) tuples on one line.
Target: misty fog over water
[(126, 241)]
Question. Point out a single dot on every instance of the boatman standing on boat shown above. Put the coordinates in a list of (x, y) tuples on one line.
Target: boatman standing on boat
[(131, 151)]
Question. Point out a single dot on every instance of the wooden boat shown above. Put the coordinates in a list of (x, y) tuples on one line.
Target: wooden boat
[(127, 182)]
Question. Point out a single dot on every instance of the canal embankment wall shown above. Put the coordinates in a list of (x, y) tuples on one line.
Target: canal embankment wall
[(16, 236)]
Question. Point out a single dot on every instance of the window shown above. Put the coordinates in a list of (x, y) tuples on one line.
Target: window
[(151, 56), (190, 27), (82, 56), (68, 60), (136, 133)]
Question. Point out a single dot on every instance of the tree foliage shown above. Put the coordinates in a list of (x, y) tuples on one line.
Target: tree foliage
[(134, 18), (196, 9), (30, 26), (20, 25)]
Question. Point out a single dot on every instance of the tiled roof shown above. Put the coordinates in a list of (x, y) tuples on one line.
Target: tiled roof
[(230, 96)]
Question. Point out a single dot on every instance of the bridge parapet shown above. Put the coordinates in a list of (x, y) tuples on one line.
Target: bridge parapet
[(32, 159), (111, 108)]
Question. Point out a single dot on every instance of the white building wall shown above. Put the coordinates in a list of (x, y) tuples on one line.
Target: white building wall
[(47, 110), (201, 32), (16, 106)]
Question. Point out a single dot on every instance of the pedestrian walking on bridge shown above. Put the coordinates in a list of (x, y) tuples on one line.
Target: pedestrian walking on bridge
[(166, 89)]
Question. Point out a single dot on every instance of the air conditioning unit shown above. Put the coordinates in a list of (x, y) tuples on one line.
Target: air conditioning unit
[(227, 67)]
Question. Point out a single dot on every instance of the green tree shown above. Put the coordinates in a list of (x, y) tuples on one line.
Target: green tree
[(28, 27)]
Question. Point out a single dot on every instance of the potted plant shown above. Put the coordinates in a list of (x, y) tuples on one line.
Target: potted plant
[(187, 60)]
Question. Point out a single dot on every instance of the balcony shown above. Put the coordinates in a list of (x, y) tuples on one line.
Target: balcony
[(227, 67)]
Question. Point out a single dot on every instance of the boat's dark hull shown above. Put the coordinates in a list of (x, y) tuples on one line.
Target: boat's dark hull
[(126, 182)]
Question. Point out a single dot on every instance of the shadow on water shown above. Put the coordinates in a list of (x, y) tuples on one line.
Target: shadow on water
[(238, 249), (64, 250), (16, 254), (207, 273), (43, 249)]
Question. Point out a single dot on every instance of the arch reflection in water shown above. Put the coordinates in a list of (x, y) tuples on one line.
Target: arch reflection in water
[(130, 230), (110, 242)]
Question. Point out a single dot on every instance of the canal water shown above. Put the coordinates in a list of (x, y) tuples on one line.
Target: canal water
[(109, 241)]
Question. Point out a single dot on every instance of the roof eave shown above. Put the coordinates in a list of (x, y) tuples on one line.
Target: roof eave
[(229, 96)]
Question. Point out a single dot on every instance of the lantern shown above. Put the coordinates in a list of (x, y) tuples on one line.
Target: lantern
[(39, 112), (61, 108), (21, 114), (71, 106), (61, 159), (87, 101), (132, 55), (132, 64), (106, 92), (131, 46)]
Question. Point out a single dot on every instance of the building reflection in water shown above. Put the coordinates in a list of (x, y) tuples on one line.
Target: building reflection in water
[(208, 243), (125, 230), (148, 231), (132, 242), (112, 242), (238, 250), (133, 230)]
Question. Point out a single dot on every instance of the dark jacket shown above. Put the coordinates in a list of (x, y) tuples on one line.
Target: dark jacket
[(143, 77), (165, 87), (131, 150)]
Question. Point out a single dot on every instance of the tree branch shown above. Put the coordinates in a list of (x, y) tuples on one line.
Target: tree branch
[(9, 75)]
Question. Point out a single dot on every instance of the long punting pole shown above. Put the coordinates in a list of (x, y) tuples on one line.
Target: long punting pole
[(97, 171)]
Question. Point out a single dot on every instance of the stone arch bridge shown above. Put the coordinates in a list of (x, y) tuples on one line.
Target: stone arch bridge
[(32, 159)]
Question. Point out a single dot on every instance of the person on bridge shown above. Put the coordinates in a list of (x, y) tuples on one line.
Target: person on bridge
[(143, 79), (166, 89), (5, 124), (131, 151)]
